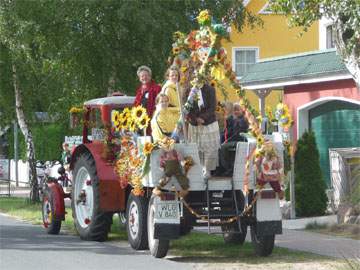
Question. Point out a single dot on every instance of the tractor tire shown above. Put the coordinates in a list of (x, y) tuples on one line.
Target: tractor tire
[(158, 247), (51, 223), (90, 222), (136, 221), (263, 245)]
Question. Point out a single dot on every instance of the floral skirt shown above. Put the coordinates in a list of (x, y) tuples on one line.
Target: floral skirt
[(208, 140)]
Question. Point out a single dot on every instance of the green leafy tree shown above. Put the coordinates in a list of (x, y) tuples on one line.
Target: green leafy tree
[(345, 15), (58, 53), (311, 199)]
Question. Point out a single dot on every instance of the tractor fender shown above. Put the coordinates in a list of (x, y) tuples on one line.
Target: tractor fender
[(58, 197), (112, 196), (104, 170)]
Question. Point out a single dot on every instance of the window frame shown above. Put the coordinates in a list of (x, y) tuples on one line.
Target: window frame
[(332, 36), (246, 48)]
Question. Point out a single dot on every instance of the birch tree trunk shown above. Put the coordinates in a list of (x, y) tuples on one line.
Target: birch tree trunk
[(30, 149)]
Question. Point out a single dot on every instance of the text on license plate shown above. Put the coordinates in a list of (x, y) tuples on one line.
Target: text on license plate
[(167, 210)]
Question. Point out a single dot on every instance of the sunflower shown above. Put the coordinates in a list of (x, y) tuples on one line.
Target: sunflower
[(134, 162), (76, 110), (204, 17), (131, 125), (138, 112), (213, 83), (116, 119), (260, 140), (176, 50), (125, 122), (143, 122), (148, 147)]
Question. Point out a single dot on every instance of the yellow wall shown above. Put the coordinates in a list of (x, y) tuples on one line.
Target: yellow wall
[(275, 38)]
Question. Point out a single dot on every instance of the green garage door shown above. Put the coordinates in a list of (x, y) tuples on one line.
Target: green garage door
[(336, 124)]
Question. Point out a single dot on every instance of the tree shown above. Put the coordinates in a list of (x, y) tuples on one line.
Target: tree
[(59, 53), (311, 199), (345, 15)]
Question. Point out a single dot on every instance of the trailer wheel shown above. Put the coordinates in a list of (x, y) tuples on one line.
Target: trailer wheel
[(158, 247), (231, 233), (51, 223), (263, 245), (136, 225), (90, 222)]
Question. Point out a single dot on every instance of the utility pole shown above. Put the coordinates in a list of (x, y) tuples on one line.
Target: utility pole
[(16, 153)]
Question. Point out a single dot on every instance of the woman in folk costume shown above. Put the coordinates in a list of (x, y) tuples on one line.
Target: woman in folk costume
[(167, 111), (146, 93), (203, 127)]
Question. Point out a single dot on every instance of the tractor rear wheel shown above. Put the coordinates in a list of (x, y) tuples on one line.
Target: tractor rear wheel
[(90, 222)]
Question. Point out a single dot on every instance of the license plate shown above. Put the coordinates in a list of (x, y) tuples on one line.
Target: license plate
[(167, 212)]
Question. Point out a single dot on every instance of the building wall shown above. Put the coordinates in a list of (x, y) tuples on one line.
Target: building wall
[(275, 38), (302, 98)]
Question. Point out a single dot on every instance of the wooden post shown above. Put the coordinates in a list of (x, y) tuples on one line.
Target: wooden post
[(262, 94), (292, 181)]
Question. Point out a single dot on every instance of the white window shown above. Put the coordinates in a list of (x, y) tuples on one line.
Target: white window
[(243, 59), (330, 37)]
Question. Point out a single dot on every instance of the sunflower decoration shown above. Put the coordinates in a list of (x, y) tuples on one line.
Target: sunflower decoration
[(132, 125), (204, 18), (143, 122), (76, 110), (116, 120), (125, 121), (138, 112), (176, 50), (213, 83), (148, 147)]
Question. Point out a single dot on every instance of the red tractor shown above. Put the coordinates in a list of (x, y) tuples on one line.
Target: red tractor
[(96, 193)]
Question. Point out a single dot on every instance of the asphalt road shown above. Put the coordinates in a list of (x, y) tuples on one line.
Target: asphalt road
[(26, 246)]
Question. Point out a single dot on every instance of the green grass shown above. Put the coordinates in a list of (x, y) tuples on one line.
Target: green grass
[(212, 248), (22, 208)]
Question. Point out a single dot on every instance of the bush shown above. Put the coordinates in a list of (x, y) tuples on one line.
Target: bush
[(48, 139), (310, 187)]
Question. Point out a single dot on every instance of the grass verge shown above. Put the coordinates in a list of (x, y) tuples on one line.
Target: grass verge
[(344, 230)]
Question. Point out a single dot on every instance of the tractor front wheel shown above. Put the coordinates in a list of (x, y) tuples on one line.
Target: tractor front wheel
[(90, 222)]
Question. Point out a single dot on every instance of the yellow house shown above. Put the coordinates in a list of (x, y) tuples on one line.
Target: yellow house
[(274, 39)]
